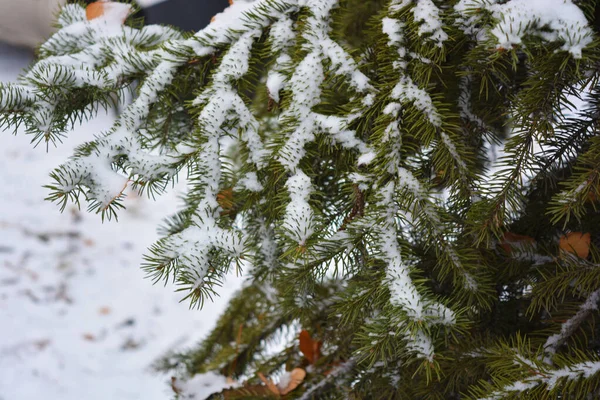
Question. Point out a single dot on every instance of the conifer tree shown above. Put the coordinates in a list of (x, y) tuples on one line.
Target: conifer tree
[(410, 187)]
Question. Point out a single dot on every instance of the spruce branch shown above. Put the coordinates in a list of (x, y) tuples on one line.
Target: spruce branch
[(339, 154)]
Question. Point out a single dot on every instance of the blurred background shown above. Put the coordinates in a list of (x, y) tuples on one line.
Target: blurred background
[(77, 318)]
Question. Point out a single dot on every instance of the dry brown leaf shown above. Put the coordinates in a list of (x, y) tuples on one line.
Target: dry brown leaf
[(104, 310), (269, 383), (94, 10), (174, 386), (225, 199), (591, 197), (309, 347), (297, 376), (89, 337), (99, 8), (230, 381), (577, 243), (511, 241)]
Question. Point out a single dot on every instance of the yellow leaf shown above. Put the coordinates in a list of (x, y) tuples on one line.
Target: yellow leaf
[(94, 10), (577, 243), (296, 378), (99, 8)]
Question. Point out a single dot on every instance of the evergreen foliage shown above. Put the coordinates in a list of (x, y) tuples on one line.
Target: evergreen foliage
[(412, 184)]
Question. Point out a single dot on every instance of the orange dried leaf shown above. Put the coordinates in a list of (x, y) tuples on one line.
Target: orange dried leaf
[(512, 241), (269, 383), (592, 197), (89, 337), (174, 386), (230, 381), (100, 8), (296, 378), (104, 310), (577, 243), (94, 10), (309, 347), (225, 199)]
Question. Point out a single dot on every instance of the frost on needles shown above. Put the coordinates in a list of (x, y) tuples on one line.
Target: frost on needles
[(406, 180)]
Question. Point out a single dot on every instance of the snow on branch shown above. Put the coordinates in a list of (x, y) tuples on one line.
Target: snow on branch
[(550, 378), (548, 20), (124, 141), (15, 97), (282, 39), (572, 324), (403, 292), (406, 93), (305, 87), (336, 374), (427, 14), (298, 217), (305, 93), (103, 55)]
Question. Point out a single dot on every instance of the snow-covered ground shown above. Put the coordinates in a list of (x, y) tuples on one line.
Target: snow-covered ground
[(77, 318)]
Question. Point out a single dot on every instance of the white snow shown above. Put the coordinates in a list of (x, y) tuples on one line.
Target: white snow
[(427, 13), (393, 28), (465, 104), (298, 213), (282, 38), (223, 28), (114, 13), (366, 158), (451, 148), (250, 182), (275, 82), (407, 91), (268, 246)]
